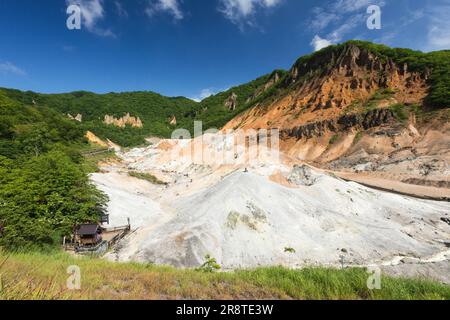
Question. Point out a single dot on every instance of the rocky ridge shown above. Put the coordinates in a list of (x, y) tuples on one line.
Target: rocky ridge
[(122, 122)]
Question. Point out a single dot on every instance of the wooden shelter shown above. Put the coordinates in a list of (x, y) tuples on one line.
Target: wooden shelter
[(88, 234), (104, 218)]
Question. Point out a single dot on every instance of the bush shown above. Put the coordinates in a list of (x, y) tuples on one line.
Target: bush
[(210, 265)]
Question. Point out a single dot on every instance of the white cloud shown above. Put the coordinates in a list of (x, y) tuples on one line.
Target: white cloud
[(349, 6), (120, 9), (350, 24), (170, 6), (319, 43), (322, 19), (240, 12), (342, 16), (8, 67), (393, 30), (205, 93), (92, 12), (438, 29)]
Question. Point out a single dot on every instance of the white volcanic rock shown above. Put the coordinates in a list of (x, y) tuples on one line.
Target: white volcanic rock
[(247, 219)]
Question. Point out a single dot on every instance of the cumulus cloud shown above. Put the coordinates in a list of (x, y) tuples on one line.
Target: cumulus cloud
[(92, 11), (169, 6), (240, 12), (9, 68), (319, 43)]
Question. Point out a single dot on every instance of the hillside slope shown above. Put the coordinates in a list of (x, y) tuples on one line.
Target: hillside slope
[(353, 77), (130, 117), (353, 107), (44, 185), (361, 107)]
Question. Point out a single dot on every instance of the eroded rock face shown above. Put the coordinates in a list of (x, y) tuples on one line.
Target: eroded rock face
[(122, 122), (231, 102), (173, 121), (365, 121), (78, 117), (96, 140), (332, 84), (274, 79)]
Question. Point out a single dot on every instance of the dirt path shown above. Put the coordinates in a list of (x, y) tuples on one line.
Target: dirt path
[(423, 192)]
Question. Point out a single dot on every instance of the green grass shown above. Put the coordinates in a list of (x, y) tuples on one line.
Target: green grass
[(440, 115), (400, 112), (334, 139), (353, 107), (358, 137), (43, 276), (380, 95), (146, 176), (372, 103)]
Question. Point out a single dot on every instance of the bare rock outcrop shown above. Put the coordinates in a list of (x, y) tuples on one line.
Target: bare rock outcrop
[(78, 117), (303, 175), (96, 140), (371, 119), (330, 84), (231, 102), (124, 121), (273, 80)]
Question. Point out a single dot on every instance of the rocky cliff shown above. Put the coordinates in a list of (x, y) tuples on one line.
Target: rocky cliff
[(333, 83), (356, 121), (360, 108), (124, 121)]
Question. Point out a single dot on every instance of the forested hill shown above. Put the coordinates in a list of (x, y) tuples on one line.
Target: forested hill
[(153, 109), (44, 186), (159, 115)]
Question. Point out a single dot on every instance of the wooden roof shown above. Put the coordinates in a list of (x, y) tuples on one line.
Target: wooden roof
[(88, 229)]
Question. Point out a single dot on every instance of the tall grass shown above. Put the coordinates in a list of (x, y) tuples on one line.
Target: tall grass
[(146, 176), (43, 276)]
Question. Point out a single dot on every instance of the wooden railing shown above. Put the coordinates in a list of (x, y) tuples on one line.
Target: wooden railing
[(115, 229)]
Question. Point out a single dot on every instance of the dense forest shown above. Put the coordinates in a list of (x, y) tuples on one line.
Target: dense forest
[(44, 188), (154, 110)]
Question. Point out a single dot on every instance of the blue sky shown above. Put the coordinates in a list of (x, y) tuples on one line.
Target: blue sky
[(192, 47)]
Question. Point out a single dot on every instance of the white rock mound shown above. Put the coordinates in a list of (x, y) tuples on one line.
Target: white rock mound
[(246, 220)]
